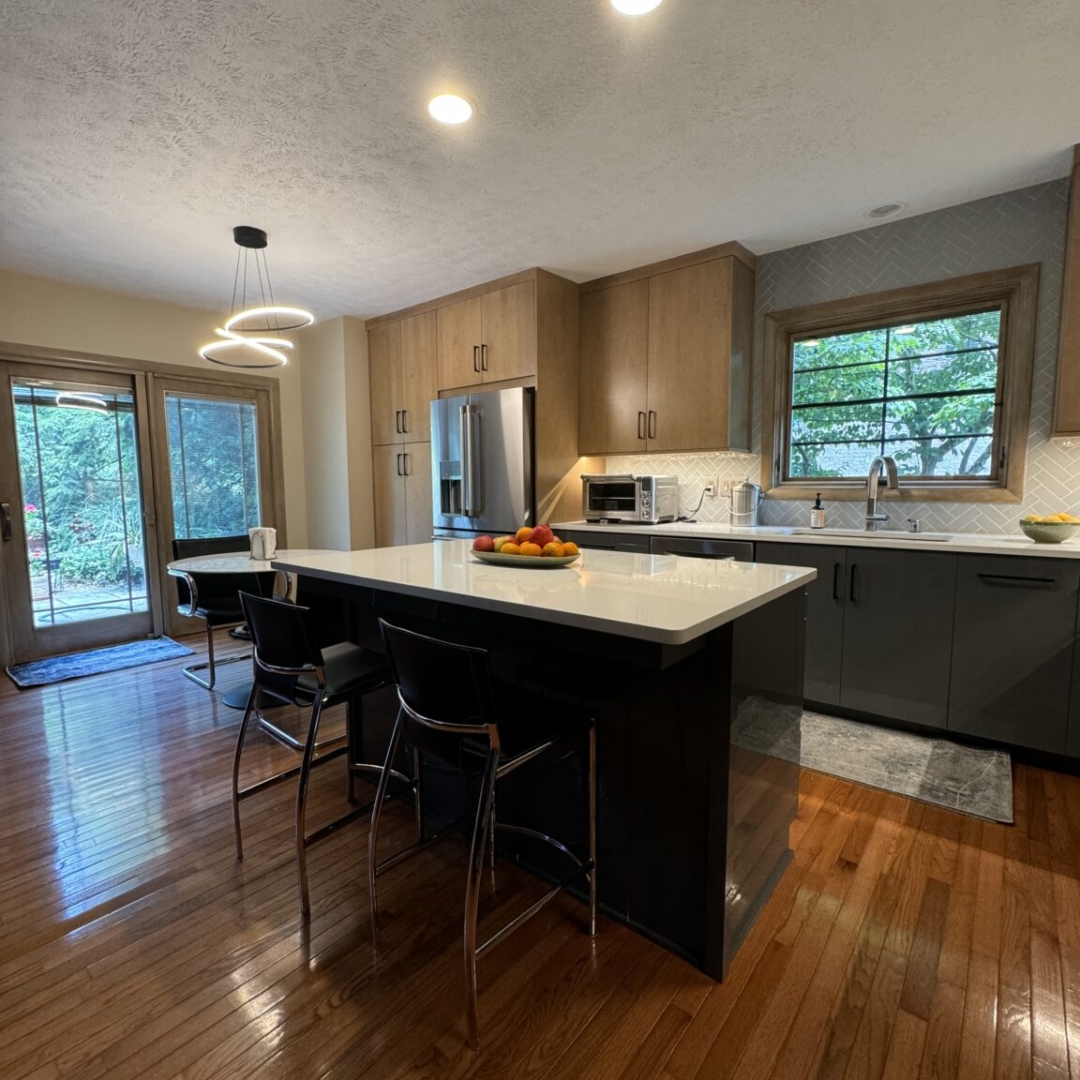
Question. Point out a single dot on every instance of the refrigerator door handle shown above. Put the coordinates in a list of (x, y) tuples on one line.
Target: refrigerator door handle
[(470, 473)]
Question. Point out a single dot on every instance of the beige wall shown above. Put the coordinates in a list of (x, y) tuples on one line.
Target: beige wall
[(49, 314), (337, 435)]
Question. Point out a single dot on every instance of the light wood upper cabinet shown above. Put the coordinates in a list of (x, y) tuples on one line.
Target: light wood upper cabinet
[(419, 376), (459, 336), (665, 358), (402, 360), (488, 338), (402, 480), (384, 362), (614, 369), (1067, 400), (508, 329)]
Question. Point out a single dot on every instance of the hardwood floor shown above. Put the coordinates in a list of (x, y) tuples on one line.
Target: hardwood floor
[(903, 941)]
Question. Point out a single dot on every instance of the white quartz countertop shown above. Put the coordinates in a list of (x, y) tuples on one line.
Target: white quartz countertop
[(662, 598), (968, 543)]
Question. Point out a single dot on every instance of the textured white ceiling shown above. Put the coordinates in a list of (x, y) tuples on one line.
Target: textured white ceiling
[(135, 133)]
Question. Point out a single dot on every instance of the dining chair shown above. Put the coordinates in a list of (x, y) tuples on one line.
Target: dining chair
[(453, 709), (214, 598), (292, 669)]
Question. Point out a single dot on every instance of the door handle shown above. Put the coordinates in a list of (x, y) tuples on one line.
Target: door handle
[(851, 585), (652, 424), (397, 421), (476, 359), (641, 425), (1017, 581), (5, 521), (483, 358), (836, 581), (404, 425), (406, 457), (399, 472)]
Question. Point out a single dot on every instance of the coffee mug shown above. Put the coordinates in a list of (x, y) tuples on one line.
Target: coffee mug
[(263, 543)]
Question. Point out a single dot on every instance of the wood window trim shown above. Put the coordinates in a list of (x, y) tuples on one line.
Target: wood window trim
[(1016, 289)]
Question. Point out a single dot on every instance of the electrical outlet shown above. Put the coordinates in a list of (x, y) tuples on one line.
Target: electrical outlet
[(712, 487)]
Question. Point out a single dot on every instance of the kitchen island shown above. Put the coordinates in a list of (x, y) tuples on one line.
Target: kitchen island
[(671, 655)]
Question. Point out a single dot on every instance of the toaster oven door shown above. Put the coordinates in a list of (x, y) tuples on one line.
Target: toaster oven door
[(612, 500)]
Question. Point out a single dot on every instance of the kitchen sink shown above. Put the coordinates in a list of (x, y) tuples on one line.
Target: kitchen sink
[(882, 534)]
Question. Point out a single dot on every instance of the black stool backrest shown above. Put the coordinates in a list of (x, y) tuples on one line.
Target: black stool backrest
[(443, 686), (214, 586), (281, 633)]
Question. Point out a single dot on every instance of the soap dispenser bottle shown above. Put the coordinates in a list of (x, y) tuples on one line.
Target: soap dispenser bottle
[(817, 514)]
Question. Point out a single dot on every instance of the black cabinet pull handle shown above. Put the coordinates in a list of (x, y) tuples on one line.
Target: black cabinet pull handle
[(483, 358), (852, 596), (641, 425), (652, 424), (1016, 581), (476, 359), (406, 457), (399, 472), (836, 581), (404, 426)]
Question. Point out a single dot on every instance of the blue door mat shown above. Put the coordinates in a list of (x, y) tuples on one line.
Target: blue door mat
[(56, 669)]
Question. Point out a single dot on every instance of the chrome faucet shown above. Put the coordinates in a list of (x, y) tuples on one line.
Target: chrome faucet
[(873, 478)]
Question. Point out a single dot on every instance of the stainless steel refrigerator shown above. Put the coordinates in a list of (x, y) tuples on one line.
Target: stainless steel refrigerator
[(482, 463)]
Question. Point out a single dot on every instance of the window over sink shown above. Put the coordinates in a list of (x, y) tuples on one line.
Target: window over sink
[(938, 376)]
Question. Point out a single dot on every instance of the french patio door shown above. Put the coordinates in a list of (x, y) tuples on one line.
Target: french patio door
[(78, 550)]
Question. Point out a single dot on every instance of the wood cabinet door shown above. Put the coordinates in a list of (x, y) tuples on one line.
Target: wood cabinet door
[(384, 364), (1013, 649), (508, 321), (419, 375), (614, 369), (898, 634), (418, 513), (689, 357), (458, 334), (390, 506)]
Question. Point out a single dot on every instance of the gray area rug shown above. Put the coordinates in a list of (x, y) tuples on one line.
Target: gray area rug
[(114, 658), (935, 770)]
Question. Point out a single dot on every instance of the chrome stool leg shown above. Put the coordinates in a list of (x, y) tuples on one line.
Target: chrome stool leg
[(301, 806), (472, 894), (593, 818), (376, 817), (418, 794), (236, 770)]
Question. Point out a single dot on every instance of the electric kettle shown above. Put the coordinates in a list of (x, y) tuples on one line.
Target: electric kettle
[(745, 502)]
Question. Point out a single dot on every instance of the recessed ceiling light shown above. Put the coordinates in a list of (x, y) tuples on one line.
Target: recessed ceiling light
[(635, 7), (889, 209), (450, 109)]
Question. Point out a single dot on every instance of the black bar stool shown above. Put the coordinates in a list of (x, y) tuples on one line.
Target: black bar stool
[(291, 668), (450, 707)]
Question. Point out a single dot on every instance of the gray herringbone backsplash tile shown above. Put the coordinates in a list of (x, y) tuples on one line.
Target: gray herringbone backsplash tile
[(1026, 226)]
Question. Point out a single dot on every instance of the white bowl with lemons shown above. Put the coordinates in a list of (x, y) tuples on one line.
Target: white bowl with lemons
[(1049, 528)]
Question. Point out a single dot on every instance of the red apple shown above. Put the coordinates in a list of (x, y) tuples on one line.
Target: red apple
[(483, 543), (541, 535)]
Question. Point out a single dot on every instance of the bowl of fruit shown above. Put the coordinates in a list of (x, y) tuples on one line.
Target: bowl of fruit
[(1050, 528), (534, 547)]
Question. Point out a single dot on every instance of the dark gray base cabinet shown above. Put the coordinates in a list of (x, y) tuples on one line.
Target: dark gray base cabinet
[(879, 628), (1013, 650), (614, 541)]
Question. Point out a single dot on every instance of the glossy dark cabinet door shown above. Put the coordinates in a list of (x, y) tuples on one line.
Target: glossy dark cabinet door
[(898, 634), (616, 541), (824, 612), (1013, 650)]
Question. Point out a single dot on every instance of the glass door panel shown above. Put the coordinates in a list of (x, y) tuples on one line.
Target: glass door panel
[(76, 572), (213, 465)]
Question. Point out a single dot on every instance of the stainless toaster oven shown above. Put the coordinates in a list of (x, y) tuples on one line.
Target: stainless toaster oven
[(646, 500)]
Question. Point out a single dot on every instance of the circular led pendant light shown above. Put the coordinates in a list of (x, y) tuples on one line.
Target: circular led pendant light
[(249, 338)]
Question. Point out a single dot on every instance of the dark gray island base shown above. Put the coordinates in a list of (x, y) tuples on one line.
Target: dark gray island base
[(693, 827)]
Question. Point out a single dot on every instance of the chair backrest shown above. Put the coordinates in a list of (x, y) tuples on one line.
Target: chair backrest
[(281, 633), (214, 586), (444, 686)]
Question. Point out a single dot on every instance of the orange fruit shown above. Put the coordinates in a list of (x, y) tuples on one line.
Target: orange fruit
[(510, 549), (552, 549), (529, 549), (570, 548), (523, 534)]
